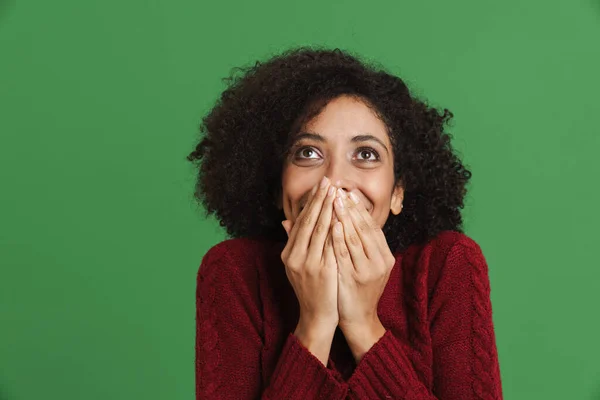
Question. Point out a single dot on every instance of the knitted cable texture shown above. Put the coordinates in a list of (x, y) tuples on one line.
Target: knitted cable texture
[(439, 342), (482, 339)]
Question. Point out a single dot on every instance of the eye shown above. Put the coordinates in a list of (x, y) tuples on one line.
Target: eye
[(306, 152), (368, 154)]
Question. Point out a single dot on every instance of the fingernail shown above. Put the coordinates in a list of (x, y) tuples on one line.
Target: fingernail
[(324, 182), (354, 198), (331, 190), (340, 203), (314, 190), (341, 193)]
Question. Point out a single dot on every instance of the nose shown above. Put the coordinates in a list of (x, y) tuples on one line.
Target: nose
[(338, 175), (346, 184)]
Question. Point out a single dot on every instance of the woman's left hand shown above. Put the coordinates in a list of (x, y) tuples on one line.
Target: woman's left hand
[(365, 262)]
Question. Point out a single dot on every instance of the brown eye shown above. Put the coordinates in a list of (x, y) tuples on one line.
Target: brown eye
[(368, 154), (306, 153)]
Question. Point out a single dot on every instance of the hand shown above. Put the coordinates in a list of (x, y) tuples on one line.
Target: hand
[(309, 268), (365, 262)]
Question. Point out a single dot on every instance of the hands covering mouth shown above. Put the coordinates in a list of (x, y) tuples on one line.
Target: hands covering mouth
[(357, 192), (338, 263)]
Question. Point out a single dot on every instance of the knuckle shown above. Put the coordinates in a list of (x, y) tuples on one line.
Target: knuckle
[(320, 228), (293, 265), (362, 277), (338, 241), (344, 253), (363, 226), (306, 220), (353, 239)]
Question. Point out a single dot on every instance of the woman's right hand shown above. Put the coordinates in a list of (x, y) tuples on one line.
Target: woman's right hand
[(311, 269)]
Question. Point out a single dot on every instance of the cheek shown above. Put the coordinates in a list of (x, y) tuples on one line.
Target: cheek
[(379, 190), (294, 188), (298, 182), (381, 206), (378, 197), (293, 192), (381, 217)]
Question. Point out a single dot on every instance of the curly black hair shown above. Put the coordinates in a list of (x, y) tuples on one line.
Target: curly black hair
[(246, 137)]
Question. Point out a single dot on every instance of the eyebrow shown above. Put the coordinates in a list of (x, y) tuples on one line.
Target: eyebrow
[(356, 139)]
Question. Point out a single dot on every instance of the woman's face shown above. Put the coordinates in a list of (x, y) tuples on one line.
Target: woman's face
[(348, 144)]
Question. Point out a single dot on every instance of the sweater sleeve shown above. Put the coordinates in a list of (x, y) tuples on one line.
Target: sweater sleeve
[(465, 361), (229, 339)]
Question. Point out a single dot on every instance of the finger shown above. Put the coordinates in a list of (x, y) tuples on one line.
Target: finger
[(305, 225), (328, 252), (341, 252), (321, 229), (364, 225), (293, 227), (353, 241), (333, 217), (377, 232), (311, 196)]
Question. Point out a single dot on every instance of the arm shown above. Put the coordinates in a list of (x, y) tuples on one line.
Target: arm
[(465, 361), (385, 372), (229, 340)]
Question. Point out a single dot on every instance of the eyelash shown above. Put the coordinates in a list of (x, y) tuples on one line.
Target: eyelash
[(359, 150)]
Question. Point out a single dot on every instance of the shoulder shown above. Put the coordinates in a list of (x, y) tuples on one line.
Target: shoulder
[(458, 249), (449, 255), (462, 265), (235, 249), (234, 258), (447, 240), (441, 246)]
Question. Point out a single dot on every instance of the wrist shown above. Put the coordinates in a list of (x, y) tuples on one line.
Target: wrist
[(318, 325), (316, 338), (362, 336), (315, 330)]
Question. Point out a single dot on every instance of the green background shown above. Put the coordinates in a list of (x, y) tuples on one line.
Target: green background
[(100, 240)]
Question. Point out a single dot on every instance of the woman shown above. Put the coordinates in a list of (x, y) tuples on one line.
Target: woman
[(370, 290)]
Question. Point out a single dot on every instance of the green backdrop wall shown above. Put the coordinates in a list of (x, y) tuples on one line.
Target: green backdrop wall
[(100, 240)]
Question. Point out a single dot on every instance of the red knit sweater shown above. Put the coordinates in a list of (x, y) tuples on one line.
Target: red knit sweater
[(439, 343)]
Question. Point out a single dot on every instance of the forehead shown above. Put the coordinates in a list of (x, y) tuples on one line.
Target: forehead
[(345, 117)]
